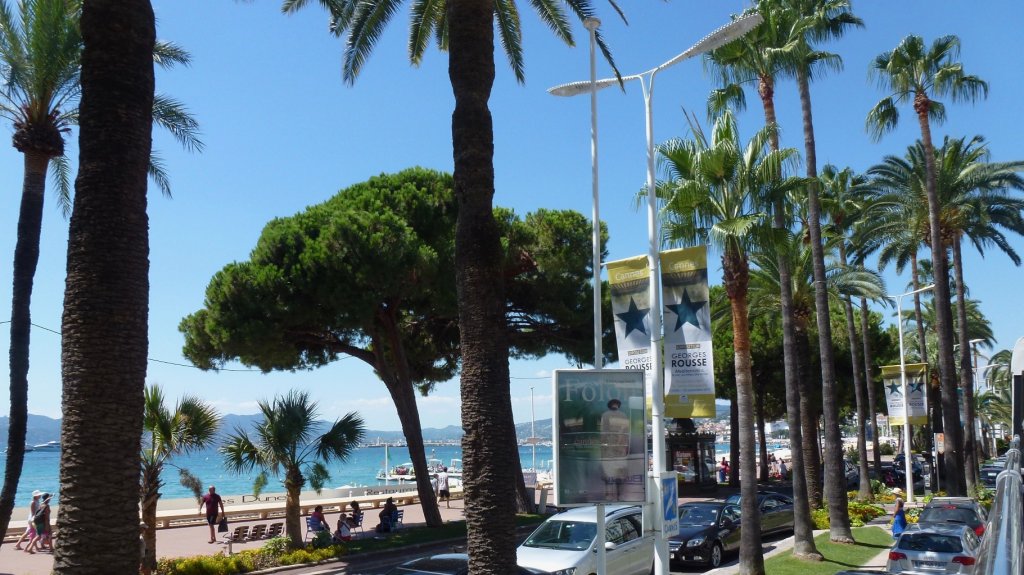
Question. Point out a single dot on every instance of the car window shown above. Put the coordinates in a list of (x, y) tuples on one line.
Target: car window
[(698, 515), (563, 535), (628, 529), (934, 542), (971, 539), (613, 532), (733, 499), (951, 514), (731, 512), (769, 504)]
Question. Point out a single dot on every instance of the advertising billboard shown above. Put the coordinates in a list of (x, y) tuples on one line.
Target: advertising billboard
[(600, 436)]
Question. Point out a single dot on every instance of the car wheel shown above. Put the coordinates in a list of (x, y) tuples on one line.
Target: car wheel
[(715, 560)]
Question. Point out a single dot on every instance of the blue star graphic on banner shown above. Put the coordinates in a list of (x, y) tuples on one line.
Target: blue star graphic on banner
[(894, 389), (915, 386), (634, 318), (686, 311)]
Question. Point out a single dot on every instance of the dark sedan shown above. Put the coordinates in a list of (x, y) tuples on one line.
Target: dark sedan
[(707, 530), (776, 511)]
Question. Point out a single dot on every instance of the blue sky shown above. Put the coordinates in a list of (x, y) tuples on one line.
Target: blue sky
[(283, 132)]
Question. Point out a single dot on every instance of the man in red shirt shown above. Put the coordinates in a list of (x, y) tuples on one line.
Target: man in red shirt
[(211, 500)]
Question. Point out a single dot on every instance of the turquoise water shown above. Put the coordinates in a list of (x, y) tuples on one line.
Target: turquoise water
[(41, 470)]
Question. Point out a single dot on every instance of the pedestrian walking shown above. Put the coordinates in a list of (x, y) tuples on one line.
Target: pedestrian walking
[(211, 501), (899, 519)]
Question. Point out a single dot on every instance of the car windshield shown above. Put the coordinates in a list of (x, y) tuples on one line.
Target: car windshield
[(930, 542), (563, 535), (951, 514), (698, 515), (734, 499)]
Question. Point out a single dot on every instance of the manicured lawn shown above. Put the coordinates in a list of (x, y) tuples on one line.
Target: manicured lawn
[(870, 542), (418, 535)]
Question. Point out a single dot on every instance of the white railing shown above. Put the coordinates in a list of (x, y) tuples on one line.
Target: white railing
[(1000, 552)]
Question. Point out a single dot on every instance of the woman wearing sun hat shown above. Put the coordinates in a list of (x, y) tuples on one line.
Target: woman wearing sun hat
[(41, 522), (30, 531)]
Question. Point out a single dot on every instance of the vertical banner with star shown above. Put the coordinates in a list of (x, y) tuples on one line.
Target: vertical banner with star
[(689, 365), (629, 283), (915, 404)]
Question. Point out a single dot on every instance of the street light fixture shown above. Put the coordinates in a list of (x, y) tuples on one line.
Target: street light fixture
[(909, 470), (719, 37)]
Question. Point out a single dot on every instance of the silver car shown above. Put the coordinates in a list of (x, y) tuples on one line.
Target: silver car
[(565, 543), (936, 548)]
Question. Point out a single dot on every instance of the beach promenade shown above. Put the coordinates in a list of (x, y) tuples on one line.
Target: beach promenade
[(192, 541)]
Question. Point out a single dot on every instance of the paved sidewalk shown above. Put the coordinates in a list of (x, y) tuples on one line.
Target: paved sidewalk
[(192, 541)]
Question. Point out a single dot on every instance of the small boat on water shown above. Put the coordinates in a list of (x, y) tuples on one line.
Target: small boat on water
[(48, 446)]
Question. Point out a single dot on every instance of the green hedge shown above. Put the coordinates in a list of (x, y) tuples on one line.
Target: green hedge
[(273, 554)]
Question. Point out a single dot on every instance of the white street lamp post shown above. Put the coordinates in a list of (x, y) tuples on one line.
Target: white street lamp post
[(908, 462), (592, 25), (718, 37)]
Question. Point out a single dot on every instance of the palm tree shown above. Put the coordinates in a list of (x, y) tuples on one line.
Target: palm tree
[(104, 329), (760, 57), (840, 206), (466, 28), (824, 20), (190, 426), (40, 49), (715, 193), (975, 204), (895, 224), (912, 72), (286, 443), (37, 86)]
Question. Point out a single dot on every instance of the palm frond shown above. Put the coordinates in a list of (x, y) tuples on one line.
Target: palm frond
[(60, 169), (158, 173), (173, 116), (167, 54)]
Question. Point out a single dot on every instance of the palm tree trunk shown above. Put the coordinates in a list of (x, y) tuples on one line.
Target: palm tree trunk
[(293, 507), (943, 316), (736, 277), (762, 440), (486, 402), (966, 372), (150, 497), (26, 256), (869, 382), (835, 479), (106, 299), (935, 415), (860, 394), (734, 443), (808, 420), (803, 530)]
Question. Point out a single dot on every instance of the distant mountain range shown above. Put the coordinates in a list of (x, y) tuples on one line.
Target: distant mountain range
[(42, 429)]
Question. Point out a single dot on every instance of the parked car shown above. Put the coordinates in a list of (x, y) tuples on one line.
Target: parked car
[(989, 472), (444, 564), (776, 511), (852, 475), (707, 531), (565, 543), (962, 510), (940, 547)]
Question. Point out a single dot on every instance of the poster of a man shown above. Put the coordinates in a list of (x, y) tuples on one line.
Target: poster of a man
[(600, 454)]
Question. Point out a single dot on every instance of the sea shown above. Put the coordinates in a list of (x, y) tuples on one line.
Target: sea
[(41, 469)]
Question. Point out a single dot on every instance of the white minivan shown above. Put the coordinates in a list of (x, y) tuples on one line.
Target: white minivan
[(564, 544)]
